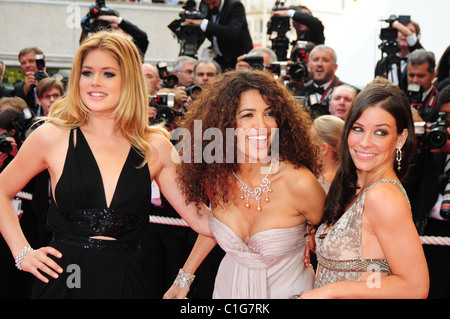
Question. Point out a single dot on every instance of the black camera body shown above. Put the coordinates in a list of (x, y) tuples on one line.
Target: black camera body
[(164, 103), (90, 22), (5, 145), (255, 60), (414, 93), (279, 25), (436, 137), (388, 35), (40, 63), (276, 23), (193, 91), (190, 11), (169, 80), (189, 36), (298, 70), (24, 124)]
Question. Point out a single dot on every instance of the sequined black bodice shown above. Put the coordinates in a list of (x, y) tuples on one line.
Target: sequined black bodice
[(80, 208)]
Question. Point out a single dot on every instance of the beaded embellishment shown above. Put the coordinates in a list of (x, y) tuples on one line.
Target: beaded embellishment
[(264, 187)]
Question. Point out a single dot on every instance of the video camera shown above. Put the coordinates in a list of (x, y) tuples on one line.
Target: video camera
[(388, 35), (436, 137), (90, 24), (189, 36), (280, 25), (164, 103)]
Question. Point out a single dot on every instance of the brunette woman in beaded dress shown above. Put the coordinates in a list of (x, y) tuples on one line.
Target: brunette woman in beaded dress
[(263, 236), (368, 245), (101, 156)]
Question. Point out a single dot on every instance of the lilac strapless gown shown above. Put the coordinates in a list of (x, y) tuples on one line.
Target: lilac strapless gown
[(269, 266)]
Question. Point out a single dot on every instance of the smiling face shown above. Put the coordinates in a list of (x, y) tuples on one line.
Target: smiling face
[(100, 82), (255, 126), (373, 140)]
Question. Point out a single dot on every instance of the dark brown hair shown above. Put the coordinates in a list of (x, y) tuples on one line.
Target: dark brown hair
[(391, 99), (217, 107)]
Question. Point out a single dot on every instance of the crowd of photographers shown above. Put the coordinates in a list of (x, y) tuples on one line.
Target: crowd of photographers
[(306, 66)]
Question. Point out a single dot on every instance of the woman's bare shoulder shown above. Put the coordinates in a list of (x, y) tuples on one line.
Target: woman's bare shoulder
[(49, 133)]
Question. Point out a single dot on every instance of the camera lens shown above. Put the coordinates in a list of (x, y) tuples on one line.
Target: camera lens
[(437, 138), (5, 145)]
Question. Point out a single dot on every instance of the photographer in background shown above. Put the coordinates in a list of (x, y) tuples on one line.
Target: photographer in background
[(32, 62), (15, 284), (308, 27), (183, 69), (226, 28), (408, 33), (421, 91), (264, 57), (429, 196), (322, 68), (9, 137), (101, 17)]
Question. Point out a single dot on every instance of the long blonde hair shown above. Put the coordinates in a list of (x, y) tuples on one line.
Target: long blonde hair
[(131, 112)]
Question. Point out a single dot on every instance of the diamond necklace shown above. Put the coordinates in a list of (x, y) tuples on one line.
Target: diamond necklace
[(264, 187)]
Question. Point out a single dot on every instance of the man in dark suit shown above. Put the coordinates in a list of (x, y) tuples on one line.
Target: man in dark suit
[(408, 41), (322, 67), (421, 73), (27, 88), (226, 28), (427, 186)]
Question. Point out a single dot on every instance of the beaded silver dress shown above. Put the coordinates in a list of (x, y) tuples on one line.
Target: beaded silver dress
[(339, 252)]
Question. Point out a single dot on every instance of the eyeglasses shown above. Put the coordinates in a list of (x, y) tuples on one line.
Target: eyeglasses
[(54, 96), (187, 71)]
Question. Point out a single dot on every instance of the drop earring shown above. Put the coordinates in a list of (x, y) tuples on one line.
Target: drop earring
[(398, 157)]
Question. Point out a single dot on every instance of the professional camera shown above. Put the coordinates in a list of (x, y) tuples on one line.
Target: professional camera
[(40, 63), (24, 124), (437, 135), (164, 103), (189, 36), (5, 145), (279, 25), (255, 60), (298, 70), (388, 35), (415, 95), (193, 91), (90, 24), (169, 80)]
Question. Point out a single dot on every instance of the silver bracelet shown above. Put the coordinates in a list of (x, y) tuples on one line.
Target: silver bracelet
[(22, 254), (184, 280)]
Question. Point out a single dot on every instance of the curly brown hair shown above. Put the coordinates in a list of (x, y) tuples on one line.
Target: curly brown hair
[(217, 107)]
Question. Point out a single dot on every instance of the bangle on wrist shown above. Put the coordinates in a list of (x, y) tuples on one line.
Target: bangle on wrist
[(19, 258), (184, 280)]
